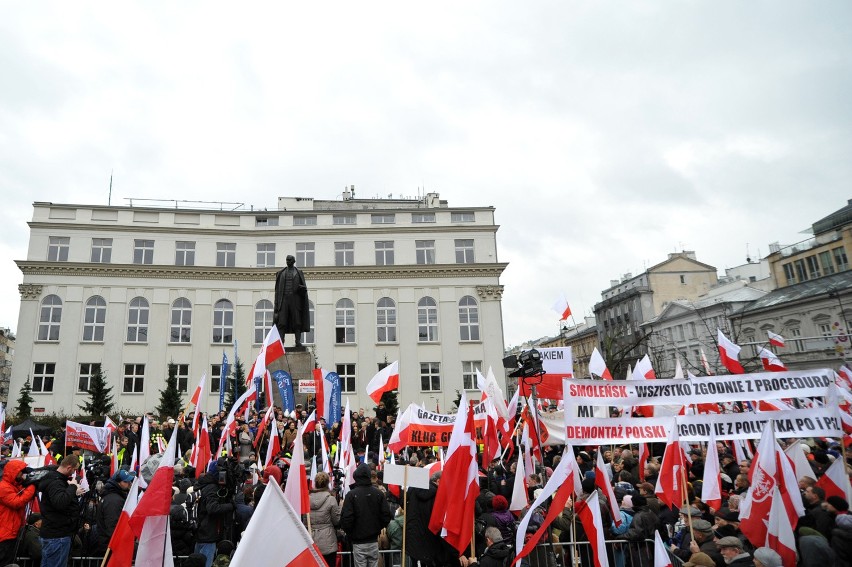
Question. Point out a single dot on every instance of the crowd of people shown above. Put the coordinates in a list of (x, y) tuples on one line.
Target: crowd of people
[(49, 514)]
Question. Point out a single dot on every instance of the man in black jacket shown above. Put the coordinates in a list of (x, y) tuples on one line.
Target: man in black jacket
[(213, 515), (60, 509), (365, 513), (498, 552), (112, 502)]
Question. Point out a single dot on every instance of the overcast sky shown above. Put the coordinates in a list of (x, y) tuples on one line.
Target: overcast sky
[(606, 134)]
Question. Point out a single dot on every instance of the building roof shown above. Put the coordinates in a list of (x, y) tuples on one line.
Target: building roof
[(812, 289), (835, 220), (738, 295)]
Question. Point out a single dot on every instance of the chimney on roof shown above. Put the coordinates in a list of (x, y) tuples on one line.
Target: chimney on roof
[(352, 188), (346, 194)]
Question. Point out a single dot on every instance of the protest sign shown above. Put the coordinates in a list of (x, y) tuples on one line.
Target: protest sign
[(86, 436)]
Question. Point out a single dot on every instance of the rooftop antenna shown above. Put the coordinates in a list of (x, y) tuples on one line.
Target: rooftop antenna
[(748, 256), (109, 197)]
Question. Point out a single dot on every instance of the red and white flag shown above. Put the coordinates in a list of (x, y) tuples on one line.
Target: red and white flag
[(671, 487), (704, 362), (661, 554), (271, 350), (561, 307), (195, 399), (274, 445), (262, 538), (729, 354), (597, 365), (845, 375), (771, 363), (773, 483), (452, 514), (201, 452), (644, 455), (385, 380), (520, 498), (779, 530), (589, 512), (108, 423), (296, 489), (775, 340), (144, 447), (602, 482), (835, 481), (643, 371), (801, 465), (711, 487), (121, 543)]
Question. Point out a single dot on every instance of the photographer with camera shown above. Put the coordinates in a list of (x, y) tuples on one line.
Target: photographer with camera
[(14, 497), (215, 508), (60, 509)]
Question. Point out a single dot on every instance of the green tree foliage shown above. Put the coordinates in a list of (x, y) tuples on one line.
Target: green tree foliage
[(236, 385), (25, 401), (171, 403), (100, 401), (391, 400)]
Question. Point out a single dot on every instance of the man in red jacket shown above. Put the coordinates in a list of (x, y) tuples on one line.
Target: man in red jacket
[(13, 499)]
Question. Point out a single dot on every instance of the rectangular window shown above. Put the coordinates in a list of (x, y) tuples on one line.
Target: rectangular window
[(101, 250), (840, 259), (43, 375), (226, 254), (827, 265), (469, 368), (182, 377), (143, 251), (305, 220), (464, 251), (813, 267), (215, 376), (422, 217), (466, 216), (344, 253), (57, 248), (265, 221), (347, 378), (87, 370), (683, 279), (801, 274), (424, 251), (384, 252), (184, 253), (383, 218), (693, 333), (266, 255), (430, 376), (796, 332), (344, 219), (789, 273), (134, 379), (305, 256), (679, 329)]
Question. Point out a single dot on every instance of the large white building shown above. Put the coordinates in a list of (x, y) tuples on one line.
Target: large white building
[(133, 288)]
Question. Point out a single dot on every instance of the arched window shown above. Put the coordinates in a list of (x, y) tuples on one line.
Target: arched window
[(181, 323), (94, 319), (262, 320), (386, 320), (427, 320), (468, 319), (137, 320), (344, 321), (223, 322), (49, 318), (309, 338)]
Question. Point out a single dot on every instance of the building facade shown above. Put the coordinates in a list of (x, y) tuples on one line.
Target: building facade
[(7, 356), (132, 289)]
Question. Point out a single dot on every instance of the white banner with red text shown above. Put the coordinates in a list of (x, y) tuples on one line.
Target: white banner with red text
[(86, 436), (419, 427)]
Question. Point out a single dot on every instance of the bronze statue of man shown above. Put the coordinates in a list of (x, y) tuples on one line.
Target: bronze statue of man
[(291, 313)]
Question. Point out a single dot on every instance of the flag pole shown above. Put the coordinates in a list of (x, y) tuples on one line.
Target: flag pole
[(404, 511), (686, 499)]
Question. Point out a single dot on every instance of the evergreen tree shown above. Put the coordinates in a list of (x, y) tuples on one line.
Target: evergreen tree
[(25, 401), (457, 401), (391, 400), (100, 395), (171, 403), (236, 385)]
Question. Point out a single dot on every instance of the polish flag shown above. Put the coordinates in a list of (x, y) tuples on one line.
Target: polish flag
[(779, 530), (310, 424), (597, 365), (671, 489), (704, 363), (711, 488), (144, 447), (661, 554), (113, 462), (108, 423), (274, 445), (150, 518), (771, 363), (328, 389), (729, 354), (775, 340), (561, 307), (262, 539), (195, 399), (589, 512), (386, 380), (801, 465), (267, 415), (296, 489), (643, 371), (271, 350), (644, 455), (346, 435), (846, 375), (835, 481), (120, 548), (773, 484), (452, 514), (602, 482), (230, 421), (520, 499), (202, 455)]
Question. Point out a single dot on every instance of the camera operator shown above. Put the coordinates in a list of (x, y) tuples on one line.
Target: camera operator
[(215, 509), (60, 510), (14, 497), (112, 502)]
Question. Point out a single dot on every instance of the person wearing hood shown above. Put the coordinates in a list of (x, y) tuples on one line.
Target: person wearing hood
[(13, 499), (365, 513), (213, 513), (325, 517), (112, 502)]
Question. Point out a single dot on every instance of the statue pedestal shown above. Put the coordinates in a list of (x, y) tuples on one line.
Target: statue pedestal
[(299, 363)]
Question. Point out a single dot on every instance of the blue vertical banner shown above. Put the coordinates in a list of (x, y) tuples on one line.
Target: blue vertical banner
[(223, 374), (259, 397), (334, 400), (285, 388)]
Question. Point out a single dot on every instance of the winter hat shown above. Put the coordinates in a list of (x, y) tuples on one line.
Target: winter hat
[(768, 557), (499, 503), (839, 503), (701, 559), (125, 476), (639, 500), (725, 531), (730, 541), (627, 502), (702, 526)]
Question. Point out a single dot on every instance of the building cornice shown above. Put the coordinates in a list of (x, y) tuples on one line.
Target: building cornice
[(89, 270)]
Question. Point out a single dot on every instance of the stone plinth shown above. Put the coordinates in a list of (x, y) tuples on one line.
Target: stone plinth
[(299, 363)]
